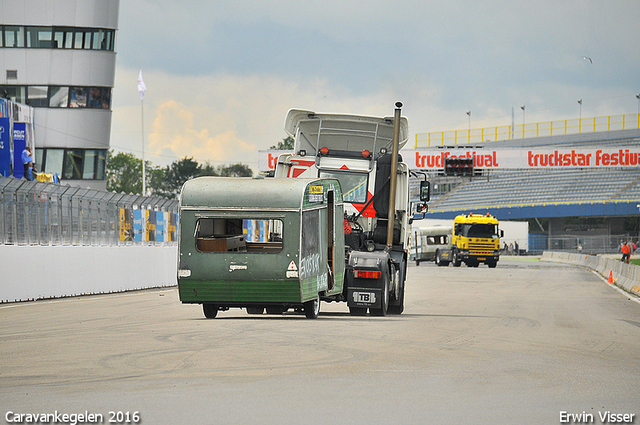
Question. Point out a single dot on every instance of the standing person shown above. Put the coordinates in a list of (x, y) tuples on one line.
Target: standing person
[(27, 163), (626, 252), (516, 247)]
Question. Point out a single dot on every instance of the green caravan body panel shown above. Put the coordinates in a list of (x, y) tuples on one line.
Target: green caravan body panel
[(293, 252)]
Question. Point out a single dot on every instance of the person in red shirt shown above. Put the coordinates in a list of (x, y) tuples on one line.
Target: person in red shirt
[(626, 252)]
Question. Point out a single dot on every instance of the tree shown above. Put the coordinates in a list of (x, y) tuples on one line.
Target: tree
[(235, 170), (124, 173), (176, 174), (285, 145)]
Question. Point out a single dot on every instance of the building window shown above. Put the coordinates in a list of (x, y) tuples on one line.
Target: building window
[(37, 96), (58, 97), (74, 164), (16, 94), (39, 37), (57, 37), (72, 169), (52, 160), (78, 97), (13, 36), (63, 38)]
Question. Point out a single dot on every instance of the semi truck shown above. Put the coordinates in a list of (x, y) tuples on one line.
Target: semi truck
[(362, 153), (475, 240), (349, 170)]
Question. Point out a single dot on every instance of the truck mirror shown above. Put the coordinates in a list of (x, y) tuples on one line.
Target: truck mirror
[(425, 191)]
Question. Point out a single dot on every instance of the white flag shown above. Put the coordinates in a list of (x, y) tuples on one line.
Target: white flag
[(141, 87)]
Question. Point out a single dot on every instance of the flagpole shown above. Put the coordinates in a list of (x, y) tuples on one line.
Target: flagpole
[(144, 185), (141, 89)]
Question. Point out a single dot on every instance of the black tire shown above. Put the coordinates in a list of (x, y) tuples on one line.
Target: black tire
[(492, 264), (312, 308), (382, 311), (210, 310), (358, 311), (255, 310), (417, 262), (397, 307), (455, 259), (438, 259)]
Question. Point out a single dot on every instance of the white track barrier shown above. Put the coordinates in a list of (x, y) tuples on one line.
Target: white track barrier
[(42, 272)]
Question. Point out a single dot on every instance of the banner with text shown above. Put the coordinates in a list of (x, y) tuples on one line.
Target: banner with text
[(267, 159), (526, 158), (19, 144), (507, 158)]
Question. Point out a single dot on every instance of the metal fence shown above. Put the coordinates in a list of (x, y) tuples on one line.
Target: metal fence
[(35, 213), (597, 244)]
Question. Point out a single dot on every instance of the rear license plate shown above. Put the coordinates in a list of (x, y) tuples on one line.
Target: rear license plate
[(364, 297)]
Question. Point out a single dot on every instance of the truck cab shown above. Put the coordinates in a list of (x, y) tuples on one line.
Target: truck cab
[(476, 239), (358, 152)]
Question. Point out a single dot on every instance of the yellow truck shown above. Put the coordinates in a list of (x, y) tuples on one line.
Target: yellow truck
[(475, 240)]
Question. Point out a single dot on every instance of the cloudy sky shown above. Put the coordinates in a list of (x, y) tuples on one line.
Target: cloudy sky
[(221, 75)]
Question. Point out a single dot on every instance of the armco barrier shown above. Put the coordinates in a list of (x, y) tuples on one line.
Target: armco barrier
[(43, 272), (625, 276)]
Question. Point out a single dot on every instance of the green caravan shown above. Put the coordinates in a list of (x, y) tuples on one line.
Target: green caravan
[(261, 244)]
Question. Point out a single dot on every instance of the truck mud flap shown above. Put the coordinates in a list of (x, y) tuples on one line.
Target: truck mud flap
[(364, 297)]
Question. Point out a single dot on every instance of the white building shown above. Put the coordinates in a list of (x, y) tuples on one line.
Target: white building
[(59, 57)]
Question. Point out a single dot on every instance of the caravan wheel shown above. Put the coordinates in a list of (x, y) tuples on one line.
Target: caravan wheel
[(312, 308), (210, 310)]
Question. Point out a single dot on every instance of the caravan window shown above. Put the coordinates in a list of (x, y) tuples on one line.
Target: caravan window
[(239, 235), (437, 240)]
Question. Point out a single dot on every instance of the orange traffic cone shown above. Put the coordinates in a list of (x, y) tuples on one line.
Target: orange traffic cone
[(610, 276)]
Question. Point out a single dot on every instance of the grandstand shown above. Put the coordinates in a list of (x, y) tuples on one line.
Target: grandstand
[(556, 196)]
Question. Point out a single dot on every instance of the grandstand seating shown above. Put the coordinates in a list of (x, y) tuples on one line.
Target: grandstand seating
[(502, 188)]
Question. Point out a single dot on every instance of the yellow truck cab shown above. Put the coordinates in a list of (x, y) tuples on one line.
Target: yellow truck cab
[(475, 240)]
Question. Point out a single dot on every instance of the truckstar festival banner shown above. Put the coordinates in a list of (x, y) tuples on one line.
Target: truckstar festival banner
[(510, 158), (527, 158)]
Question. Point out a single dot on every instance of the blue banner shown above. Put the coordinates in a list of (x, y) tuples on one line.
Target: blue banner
[(5, 147), (138, 225), (19, 143), (160, 233)]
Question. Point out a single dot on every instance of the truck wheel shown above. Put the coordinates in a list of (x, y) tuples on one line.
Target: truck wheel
[(492, 264), (438, 260), (312, 308), (210, 310), (396, 306), (382, 311), (398, 309), (455, 259), (255, 310)]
